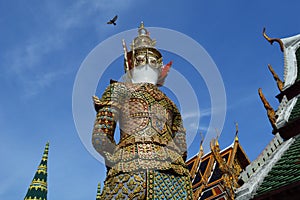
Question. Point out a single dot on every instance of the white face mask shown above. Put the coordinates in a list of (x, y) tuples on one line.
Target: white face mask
[(145, 74)]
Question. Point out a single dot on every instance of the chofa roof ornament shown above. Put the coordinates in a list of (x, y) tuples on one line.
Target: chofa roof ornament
[(272, 40)]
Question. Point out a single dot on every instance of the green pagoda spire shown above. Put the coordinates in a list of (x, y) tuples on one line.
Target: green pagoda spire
[(38, 187), (98, 197)]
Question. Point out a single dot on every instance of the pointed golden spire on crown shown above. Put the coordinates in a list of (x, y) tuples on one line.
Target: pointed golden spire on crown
[(141, 45), (143, 40), (141, 25)]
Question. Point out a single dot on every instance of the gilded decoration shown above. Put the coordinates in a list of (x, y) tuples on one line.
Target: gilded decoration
[(270, 111), (152, 135)]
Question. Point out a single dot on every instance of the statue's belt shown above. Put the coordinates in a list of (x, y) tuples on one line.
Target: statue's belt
[(155, 140)]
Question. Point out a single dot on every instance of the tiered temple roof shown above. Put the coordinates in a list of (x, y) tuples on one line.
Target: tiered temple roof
[(284, 173), (215, 175), (275, 174)]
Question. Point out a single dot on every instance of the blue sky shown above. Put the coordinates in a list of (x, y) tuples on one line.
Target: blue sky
[(43, 44)]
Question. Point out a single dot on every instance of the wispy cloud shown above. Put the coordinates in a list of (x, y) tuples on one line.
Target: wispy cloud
[(33, 53), (33, 87), (191, 120), (194, 114), (108, 5)]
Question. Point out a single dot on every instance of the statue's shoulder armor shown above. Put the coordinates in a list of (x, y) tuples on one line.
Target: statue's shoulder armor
[(113, 95)]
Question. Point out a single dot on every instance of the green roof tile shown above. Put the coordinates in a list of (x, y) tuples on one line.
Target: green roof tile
[(285, 172), (298, 64), (295, 112)]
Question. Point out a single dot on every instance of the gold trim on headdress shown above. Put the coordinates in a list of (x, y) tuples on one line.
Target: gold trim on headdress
[(141, 49)]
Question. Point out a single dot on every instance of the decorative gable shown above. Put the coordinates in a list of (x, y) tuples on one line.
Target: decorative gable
[(217, 172), (291, 60)]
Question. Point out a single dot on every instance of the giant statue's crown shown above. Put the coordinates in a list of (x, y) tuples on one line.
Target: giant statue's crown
[(142, 45)]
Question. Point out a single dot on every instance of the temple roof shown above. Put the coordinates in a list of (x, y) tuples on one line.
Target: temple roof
[(286, 119), (295, 114), (285, 172), (214, 167), (254, 173), (38, 187), (276, 170)]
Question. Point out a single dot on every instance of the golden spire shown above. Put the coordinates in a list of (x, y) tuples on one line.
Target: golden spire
[(271, 40), (141, 25), (235, 146), (204, 177), (202, 139), (143, 40), (216, 153), (229, 175), (217, 143), (276, 78), (270, 111), (198, 159), (217, 138), (236, 131)]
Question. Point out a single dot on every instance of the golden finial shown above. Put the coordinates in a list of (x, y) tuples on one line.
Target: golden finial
[(236, 128), (271, 40), (142, 30), (217, 138), (236, 131), (202, 138), (218, 133), (142, 24), (276, 78), (217, 143), (197, 160), (201, 142), (270, 111)]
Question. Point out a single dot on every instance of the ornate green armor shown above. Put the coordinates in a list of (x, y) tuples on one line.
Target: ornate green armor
[(148, 161)]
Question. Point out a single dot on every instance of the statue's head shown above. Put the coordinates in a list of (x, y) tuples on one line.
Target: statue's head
[(143, 63)]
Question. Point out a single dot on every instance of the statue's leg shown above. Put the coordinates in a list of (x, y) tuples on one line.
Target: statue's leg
[(131, 185), (168, 185)]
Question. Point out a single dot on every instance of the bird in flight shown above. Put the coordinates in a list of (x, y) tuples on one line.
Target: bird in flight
[(113, 20)]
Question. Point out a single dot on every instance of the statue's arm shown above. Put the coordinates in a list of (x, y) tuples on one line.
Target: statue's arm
[(103, 132), (179, 134), (107, 109)]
